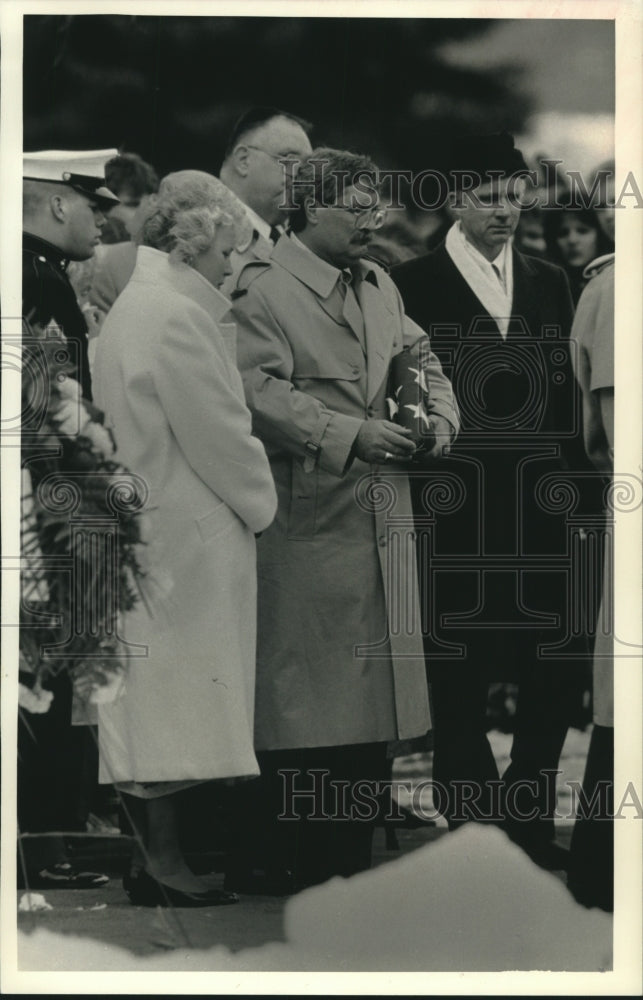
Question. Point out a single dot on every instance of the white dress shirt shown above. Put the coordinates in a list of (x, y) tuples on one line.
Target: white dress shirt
[(262, 227)]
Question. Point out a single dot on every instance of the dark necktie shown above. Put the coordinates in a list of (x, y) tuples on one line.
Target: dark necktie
[(498, 274), (351, 312), (274, 234)]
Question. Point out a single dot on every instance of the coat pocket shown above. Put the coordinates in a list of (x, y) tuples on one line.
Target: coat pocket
[(303, 501), (215, 521)]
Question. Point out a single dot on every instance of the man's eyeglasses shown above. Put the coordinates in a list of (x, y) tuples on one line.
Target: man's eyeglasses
[(291, 157), (364, 218)]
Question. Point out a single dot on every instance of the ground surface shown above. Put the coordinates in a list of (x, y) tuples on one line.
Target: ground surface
[(106, 916)]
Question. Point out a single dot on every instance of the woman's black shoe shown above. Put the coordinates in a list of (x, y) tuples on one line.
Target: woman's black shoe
[(144, 890)]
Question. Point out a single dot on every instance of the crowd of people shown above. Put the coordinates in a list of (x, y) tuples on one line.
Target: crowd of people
[(352, 527)]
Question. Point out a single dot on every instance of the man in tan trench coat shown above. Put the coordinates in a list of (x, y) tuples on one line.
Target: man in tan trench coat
[(340, 665)]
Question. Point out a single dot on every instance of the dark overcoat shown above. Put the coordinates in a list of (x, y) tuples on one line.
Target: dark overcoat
[(500, 518)]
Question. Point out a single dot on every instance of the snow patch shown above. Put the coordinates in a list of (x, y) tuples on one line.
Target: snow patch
[(471, 901)]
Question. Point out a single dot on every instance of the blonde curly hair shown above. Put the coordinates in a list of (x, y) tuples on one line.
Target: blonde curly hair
[(190, 206)]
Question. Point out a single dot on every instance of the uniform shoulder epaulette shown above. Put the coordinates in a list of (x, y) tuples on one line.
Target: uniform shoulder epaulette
[(598, 265), (247, 275)]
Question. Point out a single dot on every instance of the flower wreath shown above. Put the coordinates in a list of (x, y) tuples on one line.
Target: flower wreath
[(80, 513)]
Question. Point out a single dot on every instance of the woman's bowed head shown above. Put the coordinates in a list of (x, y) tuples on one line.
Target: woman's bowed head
[(199, 222)]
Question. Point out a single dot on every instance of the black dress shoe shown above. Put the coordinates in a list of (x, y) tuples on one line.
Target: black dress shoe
[(63, 876), (144, 890), (260, 883)]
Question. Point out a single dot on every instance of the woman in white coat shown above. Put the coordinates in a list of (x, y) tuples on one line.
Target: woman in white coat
[(167, 380)]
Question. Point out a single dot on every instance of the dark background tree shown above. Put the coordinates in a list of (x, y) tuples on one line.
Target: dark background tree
[(170, 88)]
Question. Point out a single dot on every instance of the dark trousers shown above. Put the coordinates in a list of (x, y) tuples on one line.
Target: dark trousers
[(591, 863), (51, 757), (311, 812), (467, 784)]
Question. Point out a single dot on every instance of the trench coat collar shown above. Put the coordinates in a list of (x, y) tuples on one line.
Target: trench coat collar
[(259, 225), (157, 266), (259, 239), (322, 277)]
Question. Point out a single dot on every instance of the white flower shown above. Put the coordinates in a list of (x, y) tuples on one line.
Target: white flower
[(68, 416), (69, 388), (99, 437), (31, 902), (113, 689), (92, 318), (35, 700), (100, 681)]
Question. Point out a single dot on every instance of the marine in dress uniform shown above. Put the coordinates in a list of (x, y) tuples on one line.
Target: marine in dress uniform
[(64, 198), (48, 245)]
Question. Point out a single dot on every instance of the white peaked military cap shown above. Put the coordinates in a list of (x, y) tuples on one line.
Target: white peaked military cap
[(83, 170)]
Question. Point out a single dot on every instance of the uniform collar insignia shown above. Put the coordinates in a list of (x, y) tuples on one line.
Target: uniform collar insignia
[(43, 248)]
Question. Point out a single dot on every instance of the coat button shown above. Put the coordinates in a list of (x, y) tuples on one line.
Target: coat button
[(370, 411), (382, 540)]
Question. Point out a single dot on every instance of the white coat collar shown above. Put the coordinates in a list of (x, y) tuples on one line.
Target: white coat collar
[(155, 265)]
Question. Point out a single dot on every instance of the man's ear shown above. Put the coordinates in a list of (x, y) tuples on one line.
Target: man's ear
[(310, 208), (58, 206), (239, 160)]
